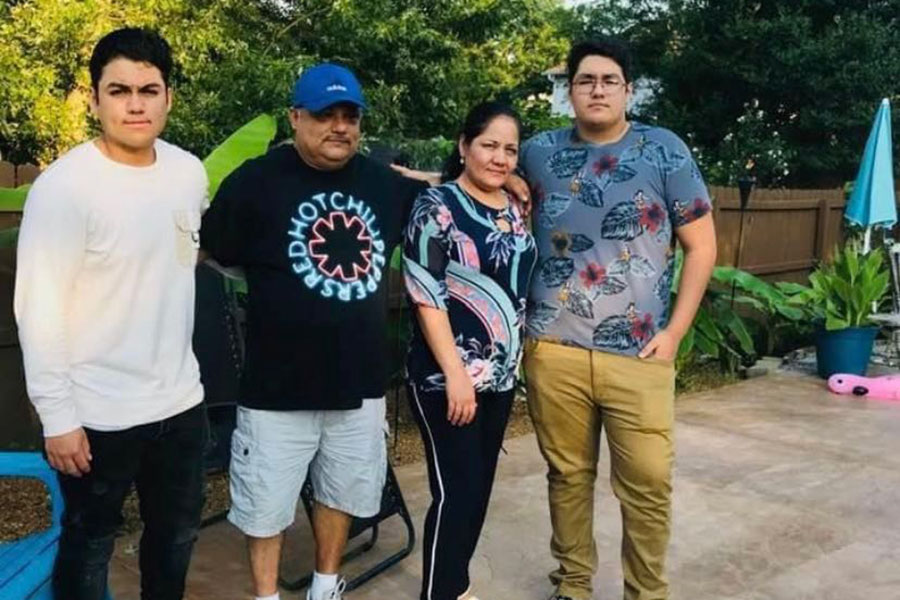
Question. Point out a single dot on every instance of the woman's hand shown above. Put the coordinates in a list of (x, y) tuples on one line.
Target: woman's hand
[(461, 405)]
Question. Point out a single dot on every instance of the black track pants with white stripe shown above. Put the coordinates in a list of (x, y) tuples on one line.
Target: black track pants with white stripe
[(461, 466)]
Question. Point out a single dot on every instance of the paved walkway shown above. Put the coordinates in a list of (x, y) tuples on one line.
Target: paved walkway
[(782, 491)]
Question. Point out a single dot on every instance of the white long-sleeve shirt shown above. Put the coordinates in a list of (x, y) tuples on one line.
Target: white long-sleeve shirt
[(104, 296)]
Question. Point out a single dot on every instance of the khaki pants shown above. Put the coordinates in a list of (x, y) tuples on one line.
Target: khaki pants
[(572, 394)]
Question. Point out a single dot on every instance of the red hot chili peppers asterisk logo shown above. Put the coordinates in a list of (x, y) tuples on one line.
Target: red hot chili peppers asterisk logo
[(341, 247), (335, 246)]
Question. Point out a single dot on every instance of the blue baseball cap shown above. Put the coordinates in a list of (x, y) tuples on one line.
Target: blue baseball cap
[(326, 84)]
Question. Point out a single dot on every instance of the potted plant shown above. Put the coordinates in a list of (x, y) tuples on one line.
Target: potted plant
[(842, 296)]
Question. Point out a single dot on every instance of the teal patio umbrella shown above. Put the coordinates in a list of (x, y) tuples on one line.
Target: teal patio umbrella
[(872, 201)]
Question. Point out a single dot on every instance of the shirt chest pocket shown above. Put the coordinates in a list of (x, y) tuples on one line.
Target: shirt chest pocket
[(187, 236)]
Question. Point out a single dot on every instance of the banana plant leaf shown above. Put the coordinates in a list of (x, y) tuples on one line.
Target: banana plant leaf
[(397, 259), (13, 199), (248, 142)]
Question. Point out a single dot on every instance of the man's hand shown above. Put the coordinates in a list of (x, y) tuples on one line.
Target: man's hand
[(663, 346), (461, 405), (429, 177), (517, 186), (69, 453)]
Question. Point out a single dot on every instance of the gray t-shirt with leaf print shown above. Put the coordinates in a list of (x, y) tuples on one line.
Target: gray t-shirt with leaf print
[(603, 222)]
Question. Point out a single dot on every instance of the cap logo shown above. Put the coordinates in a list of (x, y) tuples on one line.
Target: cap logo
[(336, 87)]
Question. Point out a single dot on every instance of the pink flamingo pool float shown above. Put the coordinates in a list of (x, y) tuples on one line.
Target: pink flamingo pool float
[(884, 388)]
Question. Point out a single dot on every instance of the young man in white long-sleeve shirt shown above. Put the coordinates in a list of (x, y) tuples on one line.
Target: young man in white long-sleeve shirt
[(104, 303)]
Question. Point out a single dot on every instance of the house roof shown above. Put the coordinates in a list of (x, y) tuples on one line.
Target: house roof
[(559, 69)]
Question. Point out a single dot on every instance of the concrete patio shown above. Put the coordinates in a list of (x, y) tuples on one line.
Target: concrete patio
[(782, 491)]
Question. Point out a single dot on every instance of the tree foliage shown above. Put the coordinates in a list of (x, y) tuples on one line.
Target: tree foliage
[(222, 78), (791, 85), (423, 63)]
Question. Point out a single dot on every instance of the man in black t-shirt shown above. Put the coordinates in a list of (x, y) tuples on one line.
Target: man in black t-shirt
[(313, 225)]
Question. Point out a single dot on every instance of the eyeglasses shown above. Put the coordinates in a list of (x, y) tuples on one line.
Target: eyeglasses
[(587, 85)]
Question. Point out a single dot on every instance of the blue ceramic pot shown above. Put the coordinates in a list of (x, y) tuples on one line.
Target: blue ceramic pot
[(844, 350)]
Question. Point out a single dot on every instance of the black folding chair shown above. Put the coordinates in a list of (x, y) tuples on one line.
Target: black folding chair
[(392, 503), (219, 347)]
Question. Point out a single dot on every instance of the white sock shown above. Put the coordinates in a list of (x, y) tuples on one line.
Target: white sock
[(321, 585), (275, 596)]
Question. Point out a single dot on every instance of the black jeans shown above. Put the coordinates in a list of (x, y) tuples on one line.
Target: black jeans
[(165, 461), (461, 466)]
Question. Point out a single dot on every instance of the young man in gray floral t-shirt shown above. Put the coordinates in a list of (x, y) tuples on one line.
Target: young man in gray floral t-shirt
[(611, 196)]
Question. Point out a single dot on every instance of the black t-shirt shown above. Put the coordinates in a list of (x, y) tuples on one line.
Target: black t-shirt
[(315, 247)]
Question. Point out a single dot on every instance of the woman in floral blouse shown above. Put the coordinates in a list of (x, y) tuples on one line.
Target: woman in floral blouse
[(468, 260)]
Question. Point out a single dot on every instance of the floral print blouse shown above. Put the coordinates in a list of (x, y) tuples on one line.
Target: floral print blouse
[(475, 262)]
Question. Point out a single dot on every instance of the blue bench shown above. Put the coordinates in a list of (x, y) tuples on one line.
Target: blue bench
[(26, 565)]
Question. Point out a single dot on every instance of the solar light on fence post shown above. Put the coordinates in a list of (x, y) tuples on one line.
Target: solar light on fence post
[(745, 187)]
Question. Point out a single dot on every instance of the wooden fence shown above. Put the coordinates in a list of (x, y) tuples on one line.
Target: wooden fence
[(13, 176), (780, 235)]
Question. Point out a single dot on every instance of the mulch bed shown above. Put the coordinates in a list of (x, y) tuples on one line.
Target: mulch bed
[(24, 506)]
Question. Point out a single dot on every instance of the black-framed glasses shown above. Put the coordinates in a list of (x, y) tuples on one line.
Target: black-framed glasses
[(587, 85)]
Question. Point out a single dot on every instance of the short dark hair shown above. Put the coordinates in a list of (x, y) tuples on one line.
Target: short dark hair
[(476, 122), (612, 48), (133, 43)]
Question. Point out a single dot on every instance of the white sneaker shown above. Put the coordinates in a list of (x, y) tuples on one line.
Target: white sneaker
[(337, 593)]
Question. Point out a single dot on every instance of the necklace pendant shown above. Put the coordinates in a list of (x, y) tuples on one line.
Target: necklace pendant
[(576, 185)]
